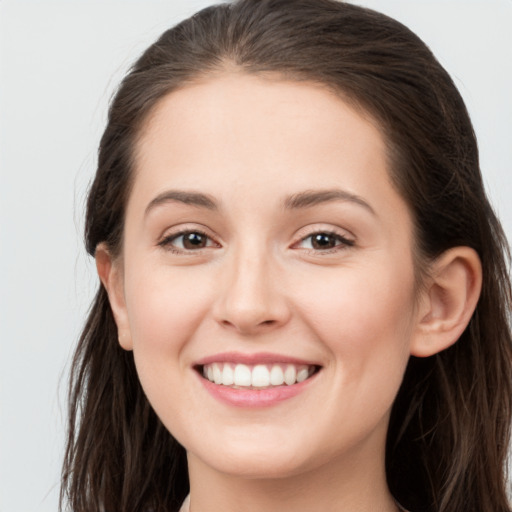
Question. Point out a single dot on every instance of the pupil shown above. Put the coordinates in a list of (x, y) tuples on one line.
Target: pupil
[(323, 241), (193, 241)]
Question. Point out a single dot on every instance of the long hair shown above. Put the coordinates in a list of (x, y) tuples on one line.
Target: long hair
[(450, 424)]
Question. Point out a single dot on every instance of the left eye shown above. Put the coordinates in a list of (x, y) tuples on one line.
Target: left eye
[(188, 241), (324, 241)]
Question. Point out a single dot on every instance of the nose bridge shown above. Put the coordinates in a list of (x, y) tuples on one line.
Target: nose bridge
[(250, 299)]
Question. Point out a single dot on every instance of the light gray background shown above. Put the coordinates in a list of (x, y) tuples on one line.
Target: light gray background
[(59, 64)]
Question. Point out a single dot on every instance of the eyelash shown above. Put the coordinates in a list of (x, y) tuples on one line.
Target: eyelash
[(343, 242), (166, 243)]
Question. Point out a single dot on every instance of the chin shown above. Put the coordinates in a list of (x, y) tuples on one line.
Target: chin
[(258, 466), (270, 457)]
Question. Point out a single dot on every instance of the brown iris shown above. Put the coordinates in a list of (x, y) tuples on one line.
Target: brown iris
[(323, 241), (194, 240)]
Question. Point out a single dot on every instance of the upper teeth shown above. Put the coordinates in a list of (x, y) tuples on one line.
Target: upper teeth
[(257, 376)]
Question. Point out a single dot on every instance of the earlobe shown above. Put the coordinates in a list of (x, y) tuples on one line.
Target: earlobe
[(111, 276), (448, 301)]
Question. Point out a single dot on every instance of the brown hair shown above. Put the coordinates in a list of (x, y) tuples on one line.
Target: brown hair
[(450, 424)]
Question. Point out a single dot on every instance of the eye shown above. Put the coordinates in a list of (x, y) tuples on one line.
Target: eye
[(325, 241), (187, 241)]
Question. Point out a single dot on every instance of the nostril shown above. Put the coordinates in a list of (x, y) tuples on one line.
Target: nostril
[(248, 326)]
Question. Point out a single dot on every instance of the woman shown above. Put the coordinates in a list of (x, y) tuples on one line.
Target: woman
[(304, 290)]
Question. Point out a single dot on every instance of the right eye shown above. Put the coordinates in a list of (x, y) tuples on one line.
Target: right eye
[(186, 241)]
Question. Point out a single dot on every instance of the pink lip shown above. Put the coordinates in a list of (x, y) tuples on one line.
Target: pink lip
[(251, 398), (252, 359)]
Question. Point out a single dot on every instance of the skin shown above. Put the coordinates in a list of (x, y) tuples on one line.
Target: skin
[(259, 284)]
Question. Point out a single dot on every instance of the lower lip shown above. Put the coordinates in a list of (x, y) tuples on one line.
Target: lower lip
[(253, 397)]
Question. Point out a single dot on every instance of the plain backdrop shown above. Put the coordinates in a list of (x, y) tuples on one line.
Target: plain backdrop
[(59, 64)]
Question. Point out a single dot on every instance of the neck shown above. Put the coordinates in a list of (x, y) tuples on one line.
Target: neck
[(349, 483)]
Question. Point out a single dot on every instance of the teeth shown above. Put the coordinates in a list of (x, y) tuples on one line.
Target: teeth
[(302, 374), (260, 376), (217, 374), (290, 375), (257, 376), (242, 375), (228, 376), (276, 375)]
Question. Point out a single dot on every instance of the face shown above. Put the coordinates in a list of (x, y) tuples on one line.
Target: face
[(266, 250)]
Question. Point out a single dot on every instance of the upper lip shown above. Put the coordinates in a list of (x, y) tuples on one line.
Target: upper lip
[(252, 359)]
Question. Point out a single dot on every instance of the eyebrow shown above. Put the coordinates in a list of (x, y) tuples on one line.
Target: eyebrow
[(305, 199), (182, 196), (310, 198)]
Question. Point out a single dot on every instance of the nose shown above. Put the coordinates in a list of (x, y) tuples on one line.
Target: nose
[(251, 299)]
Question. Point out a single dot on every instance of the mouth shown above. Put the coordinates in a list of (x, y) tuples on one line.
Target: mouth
[(255, 380), (260, 376)]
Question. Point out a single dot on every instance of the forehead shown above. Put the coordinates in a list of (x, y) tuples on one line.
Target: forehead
[(245, 125)]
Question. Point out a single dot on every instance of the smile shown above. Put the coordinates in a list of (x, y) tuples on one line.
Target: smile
[(256, 376), (255, 380)]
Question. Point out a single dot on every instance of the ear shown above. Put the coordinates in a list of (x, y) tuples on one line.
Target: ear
[(448, 301), (110, 272)]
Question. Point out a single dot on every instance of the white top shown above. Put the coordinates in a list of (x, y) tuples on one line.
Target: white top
[(186, 505)]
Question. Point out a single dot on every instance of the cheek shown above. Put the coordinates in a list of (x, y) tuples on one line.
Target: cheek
[(366, 321), (370, 299), (367, 326), (165, 308)]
